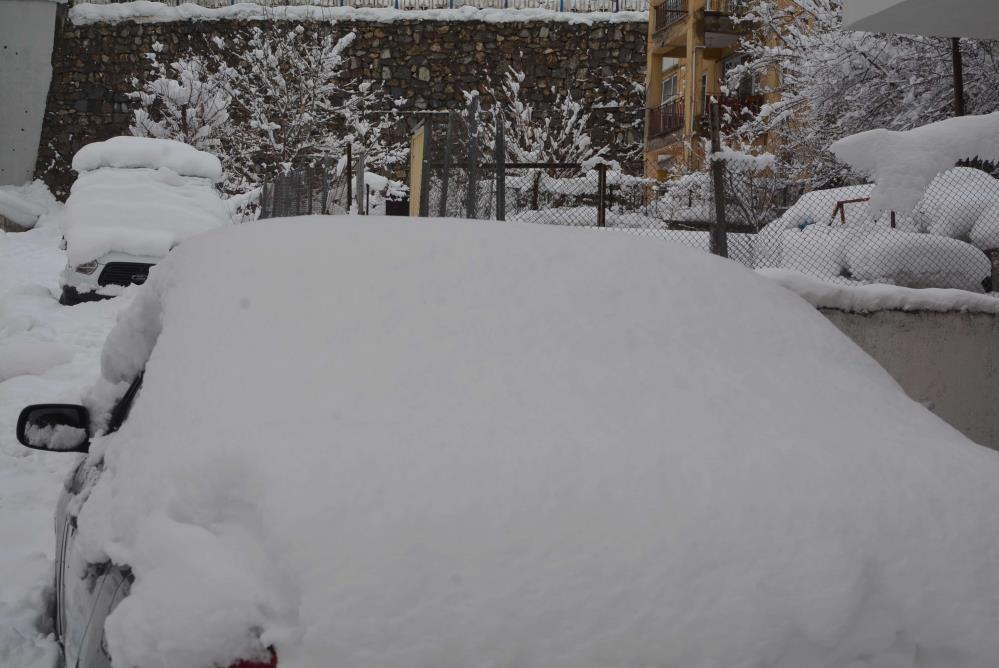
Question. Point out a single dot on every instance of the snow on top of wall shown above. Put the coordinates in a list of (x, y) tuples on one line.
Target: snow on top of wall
[(131, 152), (903, 164), (872, 298), (143, 11)]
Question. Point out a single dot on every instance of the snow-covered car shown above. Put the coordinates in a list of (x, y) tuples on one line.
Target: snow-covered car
[(134, 200), (402, 443)]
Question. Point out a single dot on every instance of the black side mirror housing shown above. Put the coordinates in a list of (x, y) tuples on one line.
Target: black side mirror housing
[(54, 428)]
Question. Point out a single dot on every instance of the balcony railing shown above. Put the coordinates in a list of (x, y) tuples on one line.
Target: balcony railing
[(666, 119), (726, 6), (669, 13)]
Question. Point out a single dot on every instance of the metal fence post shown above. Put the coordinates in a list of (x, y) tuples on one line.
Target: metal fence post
[(602, 195), (446, 176), (719, 231), (473, 158), (500, 168), (325, 171), (350, 176), (425, 170), (359, 182)]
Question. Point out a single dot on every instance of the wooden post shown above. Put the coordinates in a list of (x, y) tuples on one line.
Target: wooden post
[(719, 231), (425, 169), (500, 168)]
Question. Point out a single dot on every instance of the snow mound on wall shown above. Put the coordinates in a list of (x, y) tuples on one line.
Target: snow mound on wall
[(917, 261), (903, 164), (872, 298), (413, 443), (128, 152), (143, 212), (24, 205), (143, 11)]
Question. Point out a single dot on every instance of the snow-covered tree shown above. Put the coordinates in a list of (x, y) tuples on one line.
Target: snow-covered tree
[(283, 100), (185, 100), (833, 83), (558, 133)]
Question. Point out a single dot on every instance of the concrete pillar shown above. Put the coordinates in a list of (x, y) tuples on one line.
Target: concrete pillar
[(27, 28)]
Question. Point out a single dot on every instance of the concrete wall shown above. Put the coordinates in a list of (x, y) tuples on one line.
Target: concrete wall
[(26, 33), (947, 361)]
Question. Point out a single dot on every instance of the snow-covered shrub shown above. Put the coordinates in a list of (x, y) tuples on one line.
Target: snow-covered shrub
[(917, 261), (267, 100)]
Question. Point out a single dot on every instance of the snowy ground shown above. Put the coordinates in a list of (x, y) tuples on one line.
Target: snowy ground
[(47, 353)]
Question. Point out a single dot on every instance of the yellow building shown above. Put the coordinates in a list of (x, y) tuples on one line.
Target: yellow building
[(692, 46)]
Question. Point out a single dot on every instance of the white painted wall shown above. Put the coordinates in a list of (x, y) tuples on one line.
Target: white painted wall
[(976, 19), (947, 361), (27, 28)]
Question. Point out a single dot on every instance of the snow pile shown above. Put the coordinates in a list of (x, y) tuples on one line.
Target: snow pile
[(927, 248), (872, 298), (143, 11), (917, 261), (441, 443), (903, 164), (143, 212), (24, 205), (133, 152), (30, 482), (24, 355)]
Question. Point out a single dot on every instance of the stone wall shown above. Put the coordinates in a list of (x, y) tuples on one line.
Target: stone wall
[(427, 62)]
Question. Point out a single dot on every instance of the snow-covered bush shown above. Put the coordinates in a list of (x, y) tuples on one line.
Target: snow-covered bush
[(928, 247), (266, 100)]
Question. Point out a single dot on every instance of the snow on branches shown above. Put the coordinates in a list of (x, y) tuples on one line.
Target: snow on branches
[(265, 101), (558, 133), (833, 83)]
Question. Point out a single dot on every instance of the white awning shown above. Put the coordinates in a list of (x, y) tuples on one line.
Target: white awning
[(976, 19)]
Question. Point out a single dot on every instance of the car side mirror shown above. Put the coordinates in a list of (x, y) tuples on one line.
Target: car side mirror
[(54, 428)]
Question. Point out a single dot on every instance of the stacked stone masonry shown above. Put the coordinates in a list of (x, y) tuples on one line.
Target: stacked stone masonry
[(429, 63)]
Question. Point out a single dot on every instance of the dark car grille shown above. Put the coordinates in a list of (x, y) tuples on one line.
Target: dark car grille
[(124, 273)]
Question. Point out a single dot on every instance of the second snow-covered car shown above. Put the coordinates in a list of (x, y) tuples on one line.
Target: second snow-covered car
[(134, 200)]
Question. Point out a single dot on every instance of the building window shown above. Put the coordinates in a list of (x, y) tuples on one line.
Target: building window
[(671, 90)]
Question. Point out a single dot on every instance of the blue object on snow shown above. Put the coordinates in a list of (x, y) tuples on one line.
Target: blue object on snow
[(808, 221)]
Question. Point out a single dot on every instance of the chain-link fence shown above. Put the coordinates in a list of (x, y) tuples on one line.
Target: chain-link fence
[(737, 208), (332, 186)]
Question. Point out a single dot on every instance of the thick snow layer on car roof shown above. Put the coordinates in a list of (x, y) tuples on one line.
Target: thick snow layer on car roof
[(148, 152), (143, 212), (395, 443)]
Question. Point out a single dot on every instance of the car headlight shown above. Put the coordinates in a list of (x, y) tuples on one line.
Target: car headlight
[(87, 268)]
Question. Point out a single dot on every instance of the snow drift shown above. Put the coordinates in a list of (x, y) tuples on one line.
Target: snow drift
[(903, 164), (389, 443)]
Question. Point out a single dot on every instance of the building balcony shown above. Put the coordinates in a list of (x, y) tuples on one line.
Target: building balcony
[(665, 119), (669, 20), (722, 27)]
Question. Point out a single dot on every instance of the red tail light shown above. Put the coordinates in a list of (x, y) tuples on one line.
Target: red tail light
[(272, 662)]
